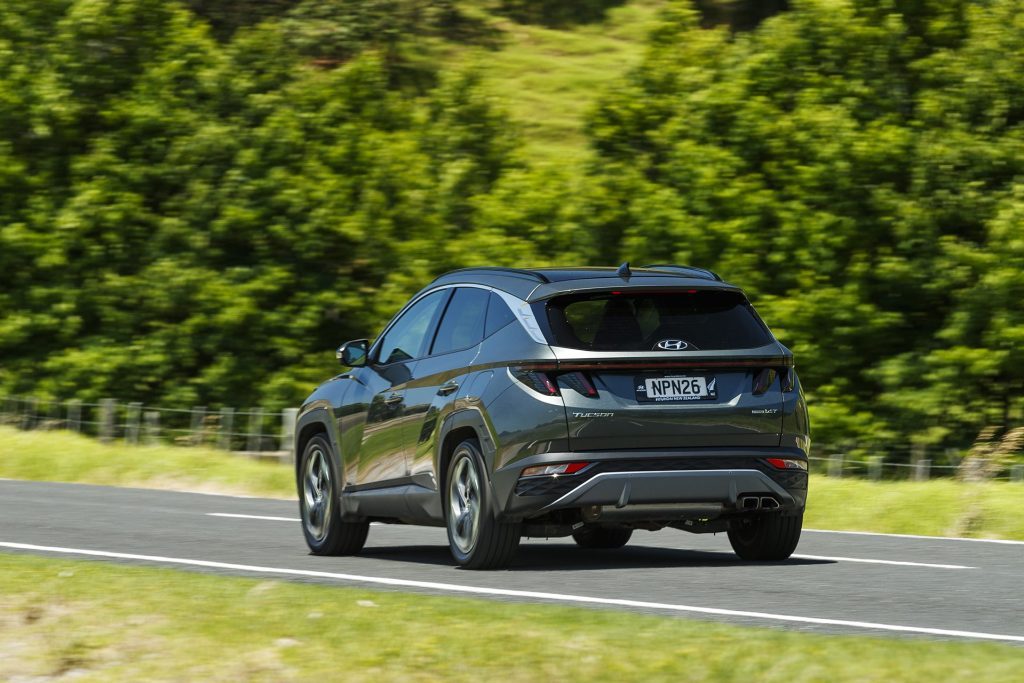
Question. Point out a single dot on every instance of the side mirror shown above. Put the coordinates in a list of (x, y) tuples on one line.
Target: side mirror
[(353, 353)]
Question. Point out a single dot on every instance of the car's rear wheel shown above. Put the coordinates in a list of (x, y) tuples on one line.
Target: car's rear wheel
[(601, 537), (766, 537), (325, 531), (477, 540)]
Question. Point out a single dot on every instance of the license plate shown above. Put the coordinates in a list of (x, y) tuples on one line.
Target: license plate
[(675, 389)]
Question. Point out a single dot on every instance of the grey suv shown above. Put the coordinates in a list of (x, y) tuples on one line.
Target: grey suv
[(585, 402)]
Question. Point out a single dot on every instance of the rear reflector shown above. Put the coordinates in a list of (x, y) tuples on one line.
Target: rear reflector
[(787, 464), (563, 468)]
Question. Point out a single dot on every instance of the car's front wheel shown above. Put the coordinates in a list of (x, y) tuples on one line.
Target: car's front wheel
[(477, 540), (325, 531), (766, 537)]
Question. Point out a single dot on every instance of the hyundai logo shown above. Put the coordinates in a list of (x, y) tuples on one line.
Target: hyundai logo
[(671, 345)]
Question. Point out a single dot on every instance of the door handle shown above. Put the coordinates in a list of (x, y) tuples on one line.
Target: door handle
[(393, 399), (447, 388)]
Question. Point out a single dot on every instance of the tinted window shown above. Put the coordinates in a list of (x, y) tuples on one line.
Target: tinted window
[(463, 322), (408, 338), (704, 319), (498, 315)]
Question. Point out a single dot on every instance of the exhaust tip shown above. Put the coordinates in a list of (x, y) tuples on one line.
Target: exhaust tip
[(749, 503), (769, 503)]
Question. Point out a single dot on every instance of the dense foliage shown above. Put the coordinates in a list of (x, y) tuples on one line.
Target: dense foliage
[(199, 200)]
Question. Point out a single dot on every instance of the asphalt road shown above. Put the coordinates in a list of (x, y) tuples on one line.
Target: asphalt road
[(838, 582)]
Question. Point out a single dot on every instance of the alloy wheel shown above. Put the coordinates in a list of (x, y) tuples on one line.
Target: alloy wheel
[(464, 504), (317, 492)]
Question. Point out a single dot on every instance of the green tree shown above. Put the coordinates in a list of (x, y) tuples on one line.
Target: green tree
[(838, 162)]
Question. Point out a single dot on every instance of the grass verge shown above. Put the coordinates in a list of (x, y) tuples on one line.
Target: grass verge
[(104, 622), (70, 457), (940, 507)]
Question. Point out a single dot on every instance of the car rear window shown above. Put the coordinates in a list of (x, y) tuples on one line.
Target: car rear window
[(691, 320)]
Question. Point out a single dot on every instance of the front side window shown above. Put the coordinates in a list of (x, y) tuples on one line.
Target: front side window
[(463, 322), (409, 336)]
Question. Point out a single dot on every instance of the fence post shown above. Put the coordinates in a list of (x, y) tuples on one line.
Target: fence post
[(75, 415), (152, 427), (255, 431), (107, 408), (30, 413), (1017, 473), (875, 467), (196, 428), (54, 420), (953, 457), (288, 418), (131, 423), (835, 465), (227, 422), (922, 469)]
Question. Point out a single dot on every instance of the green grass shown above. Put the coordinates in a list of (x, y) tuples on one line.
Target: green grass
[(547, 79), (105, 622), (939, 507), (69, 457)]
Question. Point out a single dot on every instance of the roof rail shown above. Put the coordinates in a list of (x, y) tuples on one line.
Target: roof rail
[(703, 273), (514, 272)]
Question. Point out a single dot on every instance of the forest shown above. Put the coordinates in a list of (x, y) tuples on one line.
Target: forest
[(199, 200)]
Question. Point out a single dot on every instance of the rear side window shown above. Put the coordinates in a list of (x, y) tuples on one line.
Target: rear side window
[(463, 323), (701, 319), (498, 315)]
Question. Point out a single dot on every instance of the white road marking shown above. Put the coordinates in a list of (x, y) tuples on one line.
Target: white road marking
[(219, 495), (535, 595), (925, 538), (266, 517), (898, 563)]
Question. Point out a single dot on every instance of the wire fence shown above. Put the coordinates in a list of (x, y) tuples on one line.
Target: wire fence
[(877, 468), (268, 432), (256, 430)]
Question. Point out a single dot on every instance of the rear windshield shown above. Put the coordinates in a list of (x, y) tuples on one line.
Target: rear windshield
[(685, 320)]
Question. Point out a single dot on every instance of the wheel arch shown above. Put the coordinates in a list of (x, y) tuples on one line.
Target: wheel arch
[(317, 420), (468, 423)]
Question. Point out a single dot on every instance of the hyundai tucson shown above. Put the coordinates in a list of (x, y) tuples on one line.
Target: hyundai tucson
[(505, 403)]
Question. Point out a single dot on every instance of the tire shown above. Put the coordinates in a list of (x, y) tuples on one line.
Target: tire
[(477, 540), (768, 537), (325, 531), (601, 537)]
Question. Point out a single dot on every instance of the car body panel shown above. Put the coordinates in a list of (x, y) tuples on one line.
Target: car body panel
[(432, 394)]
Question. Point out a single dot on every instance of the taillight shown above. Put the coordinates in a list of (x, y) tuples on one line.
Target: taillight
[(561, 468), (787, 464), (763, 380), (546, 382), (538, 380), (580, 382), (788, 379)]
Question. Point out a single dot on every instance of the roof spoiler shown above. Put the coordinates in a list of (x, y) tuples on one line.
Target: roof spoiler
[(691, 271)]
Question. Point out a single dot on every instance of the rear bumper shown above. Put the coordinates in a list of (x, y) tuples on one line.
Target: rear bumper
[(654, 485), (622, 489)]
